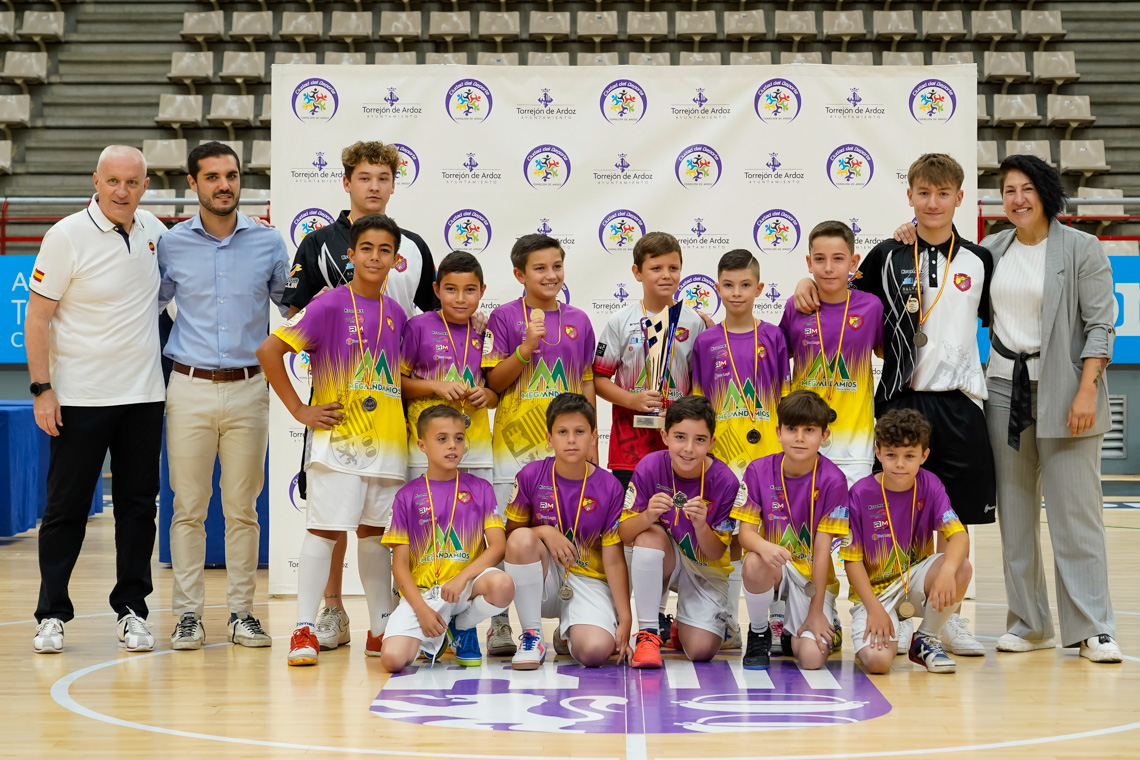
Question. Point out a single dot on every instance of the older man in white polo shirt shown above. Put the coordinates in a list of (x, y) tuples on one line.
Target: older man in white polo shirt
[(93, 357)]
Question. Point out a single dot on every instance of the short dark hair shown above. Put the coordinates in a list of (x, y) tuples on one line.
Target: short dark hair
[(570, 403), (374, 222), (528, 244), (738, 259), (458, 262), (936, 168), (437, 412), (804, 407), (1044, 178), (691, 408), (209, 150), (903, 427), (653, 244), (833, 228)]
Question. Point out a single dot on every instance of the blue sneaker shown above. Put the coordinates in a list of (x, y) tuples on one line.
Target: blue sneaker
[(927, 651), (531, 652), (466, 645)]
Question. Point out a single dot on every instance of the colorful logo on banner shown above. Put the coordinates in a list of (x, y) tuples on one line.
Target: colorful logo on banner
[(698, 291), (468, 100), (698, 166), (409, 169), (299, 366), (776, 231), (467, 230), (315, 100), (623, 101), (309, 220), (547, 166), (713, 698), (932, 102), (295, 493), (619, 230), (850, 166), (777, 101)]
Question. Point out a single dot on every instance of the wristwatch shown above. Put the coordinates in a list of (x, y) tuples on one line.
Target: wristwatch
[(38, 388)]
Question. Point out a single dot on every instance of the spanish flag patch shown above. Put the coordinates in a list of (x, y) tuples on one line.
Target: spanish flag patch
[(38, 275)]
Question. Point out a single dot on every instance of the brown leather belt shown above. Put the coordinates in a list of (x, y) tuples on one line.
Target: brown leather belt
[(218, 375)]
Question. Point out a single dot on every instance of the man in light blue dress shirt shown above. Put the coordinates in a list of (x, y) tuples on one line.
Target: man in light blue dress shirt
[(221, 269)]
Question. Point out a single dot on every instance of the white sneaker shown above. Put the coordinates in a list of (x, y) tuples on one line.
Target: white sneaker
[(246, 630), (189, 633), (1101, 649), (957, 638), (905, 633), (332, 628), (500, 641), (134, 635), (732, 638), (532, 652), (1009, 642), (49, 636)]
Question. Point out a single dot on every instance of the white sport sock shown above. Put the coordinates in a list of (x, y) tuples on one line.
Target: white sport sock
[(375, 565), (933, 622), (528, 593), (313, 567), (735, 583), (647, 570), (478, 611), (758, 605)]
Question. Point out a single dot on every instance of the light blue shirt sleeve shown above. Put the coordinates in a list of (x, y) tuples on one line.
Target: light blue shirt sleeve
[(279, 276)]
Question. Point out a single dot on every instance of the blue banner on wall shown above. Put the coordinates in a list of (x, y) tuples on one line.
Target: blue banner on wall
[(15, 274)]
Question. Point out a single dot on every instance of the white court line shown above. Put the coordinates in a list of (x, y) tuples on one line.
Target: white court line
[(682, 674), (164, 609), (635, 748), (749, 679), (819, 679)]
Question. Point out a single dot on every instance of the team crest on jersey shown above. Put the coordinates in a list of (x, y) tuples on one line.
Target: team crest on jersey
[(962, 282), (476, 344), (391, 324), (921, 504), (682, 334), (464, 497), (762, 352), (401, 264), (571, 332), (855, 321), (589, 505), (151, 244)]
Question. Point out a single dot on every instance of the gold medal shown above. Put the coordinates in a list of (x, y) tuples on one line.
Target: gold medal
[(906, 610)]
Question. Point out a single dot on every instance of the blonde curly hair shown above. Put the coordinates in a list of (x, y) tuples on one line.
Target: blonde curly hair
[(372, 152)]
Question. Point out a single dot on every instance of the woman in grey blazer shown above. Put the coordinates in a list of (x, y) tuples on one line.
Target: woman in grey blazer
[(1051, 335)]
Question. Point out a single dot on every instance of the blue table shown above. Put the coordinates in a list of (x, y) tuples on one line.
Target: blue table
[(23, 470), (215, 521)]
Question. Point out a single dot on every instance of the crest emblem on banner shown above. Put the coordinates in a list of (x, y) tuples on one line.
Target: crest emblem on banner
[(619, 230), (932, 102), (776, 231), (315, 100), (409, 168), (468, 100), (698, 291), (309, 220), (698, 166), (623, 100), (777, 101), (467, 230), (546, 166), (850, 166)]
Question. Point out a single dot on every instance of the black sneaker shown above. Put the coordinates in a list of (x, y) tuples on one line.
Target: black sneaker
[(664, 623), (756, 653), (785, 644)]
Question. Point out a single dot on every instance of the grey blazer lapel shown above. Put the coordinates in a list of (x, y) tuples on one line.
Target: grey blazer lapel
[(1054, 283)]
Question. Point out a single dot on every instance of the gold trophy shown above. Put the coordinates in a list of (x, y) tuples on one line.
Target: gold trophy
[(660, 334)]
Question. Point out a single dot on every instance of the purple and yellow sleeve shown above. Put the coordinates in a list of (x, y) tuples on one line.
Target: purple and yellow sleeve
[(518, 508), (750, 511), (949, 524), (852, 551), (496, 341)]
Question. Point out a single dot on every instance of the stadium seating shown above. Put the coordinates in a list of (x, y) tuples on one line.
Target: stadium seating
[(1017, 111), (795, 26), (251, 27), (844, 26), (744, 25), (351, 27), (42, 27), (840, 58), (25, 68), (895, 26), (302, 27), (944, 26), (503, 26), (399, 26), (1039, 148), (1069, 111), (191, 68), (1083, 157), (695, 26), (179, 111), (203, 27), (449, 27)]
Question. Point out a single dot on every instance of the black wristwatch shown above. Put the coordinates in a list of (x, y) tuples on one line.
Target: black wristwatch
[(38, 388)]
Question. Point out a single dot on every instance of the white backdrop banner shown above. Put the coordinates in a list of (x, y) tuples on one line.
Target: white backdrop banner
[(731, 157)]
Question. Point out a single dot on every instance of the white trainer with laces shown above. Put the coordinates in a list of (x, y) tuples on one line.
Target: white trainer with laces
[(531, 653), (49, 636), (732, 639), (332, 628), (1009, 642), (189, 633), (905, 633), (957, 638), (134, 635), (1101, 648), (245, 630)]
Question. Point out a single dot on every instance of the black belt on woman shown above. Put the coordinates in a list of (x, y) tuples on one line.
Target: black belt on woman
[(1020, 397)]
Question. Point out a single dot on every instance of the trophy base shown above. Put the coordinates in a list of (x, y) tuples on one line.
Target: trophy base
[(648, 422)]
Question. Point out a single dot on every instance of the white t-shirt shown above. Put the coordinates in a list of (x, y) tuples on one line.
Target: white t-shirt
[(103, 341), (1017, 290)]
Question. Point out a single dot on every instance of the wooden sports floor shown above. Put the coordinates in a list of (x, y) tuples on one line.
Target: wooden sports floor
[(95, 701)]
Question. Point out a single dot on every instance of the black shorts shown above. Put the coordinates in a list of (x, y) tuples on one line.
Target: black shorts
[(960, 453), (623, 476)]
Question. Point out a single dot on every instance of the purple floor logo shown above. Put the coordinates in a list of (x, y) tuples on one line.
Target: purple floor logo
[(777, 100), (850, 166), (698, 166), (409, 170), (468, 100), (681, 698), (467, 230), (623, 100), (315, 100), (309, 220), (932, 102), (547, 166), (619, 230), (776, 231)]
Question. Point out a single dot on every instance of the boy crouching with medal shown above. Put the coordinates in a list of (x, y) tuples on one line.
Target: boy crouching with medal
[(563, 550), (890, 562), (446, 539)]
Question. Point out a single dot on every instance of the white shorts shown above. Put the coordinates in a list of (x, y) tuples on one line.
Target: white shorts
[(592, 603), (403, 622), (793, 591), (343, 501), (890, 598), (503, 493), (702, 595)]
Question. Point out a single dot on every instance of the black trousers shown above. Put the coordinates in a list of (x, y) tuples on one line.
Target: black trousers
[(133, 435)]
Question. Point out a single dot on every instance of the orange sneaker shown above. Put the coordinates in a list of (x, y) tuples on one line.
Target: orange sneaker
[(648, 651), (675, 637), (303, 647), (373, 644)]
